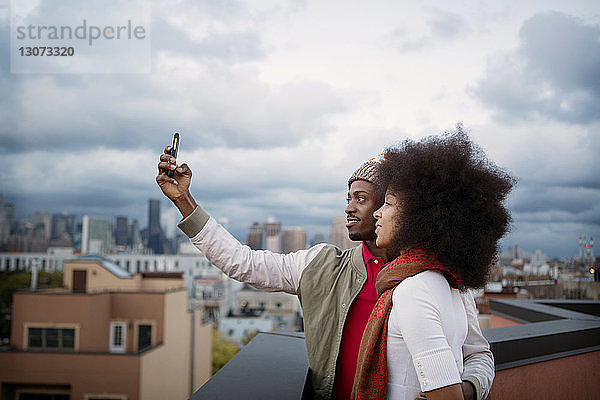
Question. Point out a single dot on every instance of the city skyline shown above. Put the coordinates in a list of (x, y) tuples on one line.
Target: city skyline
[(277, 104), (579, 242)]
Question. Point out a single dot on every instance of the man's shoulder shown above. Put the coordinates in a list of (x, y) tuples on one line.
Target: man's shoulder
[(333, 255)]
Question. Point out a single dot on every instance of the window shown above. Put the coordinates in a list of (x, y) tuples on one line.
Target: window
[(53, 339), (144, 337), (118, 336)]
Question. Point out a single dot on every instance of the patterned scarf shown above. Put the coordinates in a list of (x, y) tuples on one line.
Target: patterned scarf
[(370, 381)]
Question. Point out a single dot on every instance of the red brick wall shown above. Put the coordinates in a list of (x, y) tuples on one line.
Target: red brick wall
[(574, 377)]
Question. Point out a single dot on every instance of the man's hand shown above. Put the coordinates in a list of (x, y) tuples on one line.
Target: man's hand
[(177, 189), (467, 390)]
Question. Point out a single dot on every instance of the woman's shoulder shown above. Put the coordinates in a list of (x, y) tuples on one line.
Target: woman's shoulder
[(426, 279), (423, 287)]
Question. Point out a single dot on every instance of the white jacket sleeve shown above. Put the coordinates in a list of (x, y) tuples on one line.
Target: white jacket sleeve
[(478, 358), (260, 268), (416, 314)]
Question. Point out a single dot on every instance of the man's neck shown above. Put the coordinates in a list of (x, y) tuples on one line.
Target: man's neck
[(376, 251)]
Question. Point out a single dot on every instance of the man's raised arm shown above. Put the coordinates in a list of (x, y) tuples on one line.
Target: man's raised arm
[(262, 269)]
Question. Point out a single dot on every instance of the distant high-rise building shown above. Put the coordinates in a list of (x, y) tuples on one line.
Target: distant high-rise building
[(71, 226), (293, 239), (272, 230), (255, 235), (135, 238), (7, 220), (59, 226), (96, 235), (168, 222), (43, 222), (122, 232), (339, 234), (318, 238), (538, 259), (154, 230), (63, 227)]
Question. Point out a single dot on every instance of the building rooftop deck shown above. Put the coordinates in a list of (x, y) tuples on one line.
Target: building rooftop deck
[(554, 353)]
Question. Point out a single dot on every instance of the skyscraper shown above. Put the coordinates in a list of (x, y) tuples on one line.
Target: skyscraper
[(134, 236), (339, 234), (318, 238), (43, 222), (7, 220), (154, 230), (254, 236), (122, 232), (293, 239), (96, 235), (272, 230)]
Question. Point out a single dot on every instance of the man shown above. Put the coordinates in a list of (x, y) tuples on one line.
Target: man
[(336, 288)]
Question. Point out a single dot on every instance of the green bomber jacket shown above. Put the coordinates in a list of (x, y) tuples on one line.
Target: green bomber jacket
[(331, 282)]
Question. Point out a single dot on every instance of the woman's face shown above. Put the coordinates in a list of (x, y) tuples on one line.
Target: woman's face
[(387, 221)]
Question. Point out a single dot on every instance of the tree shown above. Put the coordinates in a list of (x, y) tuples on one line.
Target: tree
[(248, 337), (223, 350), (10, 282)]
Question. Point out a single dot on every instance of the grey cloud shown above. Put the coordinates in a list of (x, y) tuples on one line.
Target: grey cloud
[(551, 218), (442, 25), (222, 108), (231, 47), (214, 101), (553, 74), (574, 201), (446, 24)]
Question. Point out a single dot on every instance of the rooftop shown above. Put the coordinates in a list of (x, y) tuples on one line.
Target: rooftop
[(109, 265), (552, 351)]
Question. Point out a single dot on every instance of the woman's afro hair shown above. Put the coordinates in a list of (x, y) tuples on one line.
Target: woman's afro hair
[(451, 202)]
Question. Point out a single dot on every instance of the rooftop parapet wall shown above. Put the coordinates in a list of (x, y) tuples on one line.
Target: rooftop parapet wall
[(547, 331), (103, 275), (554, 354)]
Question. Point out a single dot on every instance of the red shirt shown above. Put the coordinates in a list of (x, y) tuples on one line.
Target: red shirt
[(356, 321)]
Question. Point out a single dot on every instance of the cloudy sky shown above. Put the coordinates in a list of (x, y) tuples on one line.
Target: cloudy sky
[(277, 102)]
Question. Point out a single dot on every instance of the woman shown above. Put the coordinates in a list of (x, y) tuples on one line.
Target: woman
[(440, 224)]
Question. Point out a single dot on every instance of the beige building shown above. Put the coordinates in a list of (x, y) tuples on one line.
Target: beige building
[(107, 334), (339, 234), (293, 239)]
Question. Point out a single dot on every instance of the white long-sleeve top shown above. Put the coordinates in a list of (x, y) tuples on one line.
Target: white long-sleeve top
[(427, 329), (278, 272)]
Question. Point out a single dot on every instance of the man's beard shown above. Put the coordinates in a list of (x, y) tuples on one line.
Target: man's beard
[(355, 236)]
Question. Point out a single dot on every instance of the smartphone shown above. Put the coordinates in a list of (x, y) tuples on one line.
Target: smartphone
[(173, 152)]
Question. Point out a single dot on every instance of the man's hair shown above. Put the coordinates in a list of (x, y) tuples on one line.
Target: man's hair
[(450, 202)]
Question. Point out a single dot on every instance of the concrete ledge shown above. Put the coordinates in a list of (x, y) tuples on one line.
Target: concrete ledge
[(549, 331), (272, 366)]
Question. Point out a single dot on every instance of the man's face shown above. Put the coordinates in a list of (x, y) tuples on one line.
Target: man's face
[(362, 202)]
